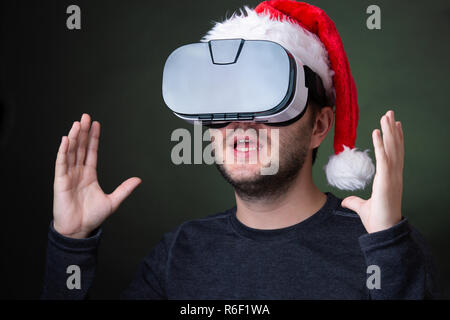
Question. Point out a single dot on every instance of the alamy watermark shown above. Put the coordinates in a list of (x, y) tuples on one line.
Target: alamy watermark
[(74, 280), (73, 21), (374, 280), (374, 20)]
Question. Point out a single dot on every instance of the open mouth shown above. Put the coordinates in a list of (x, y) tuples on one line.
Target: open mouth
[(246, 144)]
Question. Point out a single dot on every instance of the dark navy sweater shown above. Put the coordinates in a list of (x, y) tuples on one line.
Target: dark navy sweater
[(326, 256)]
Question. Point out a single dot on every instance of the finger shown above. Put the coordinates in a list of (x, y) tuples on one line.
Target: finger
[(73, 142), (61, 158), (380, 154), (353, 203), (392, 123), (388, 139), (123, 191), (92, 147), (85, 124), (398, 124), (402, 145), (397, 141), (391, 116)]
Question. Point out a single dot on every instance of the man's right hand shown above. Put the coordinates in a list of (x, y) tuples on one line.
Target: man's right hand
[(79, 203)]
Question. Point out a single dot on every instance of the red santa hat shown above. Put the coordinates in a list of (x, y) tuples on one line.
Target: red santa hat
[(311, 37)]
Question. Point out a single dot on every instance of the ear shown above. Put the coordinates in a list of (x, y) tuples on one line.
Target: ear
[(322, 124)]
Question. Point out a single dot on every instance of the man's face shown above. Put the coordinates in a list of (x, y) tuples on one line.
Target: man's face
[(249, 148)]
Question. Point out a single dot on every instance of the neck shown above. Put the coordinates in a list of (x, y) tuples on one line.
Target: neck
[(300, 201)]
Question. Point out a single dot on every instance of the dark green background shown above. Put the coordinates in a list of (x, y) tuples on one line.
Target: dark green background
[(112, 69)]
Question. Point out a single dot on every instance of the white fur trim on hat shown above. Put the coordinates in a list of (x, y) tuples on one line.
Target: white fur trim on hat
[(305, 46), (351, 169)]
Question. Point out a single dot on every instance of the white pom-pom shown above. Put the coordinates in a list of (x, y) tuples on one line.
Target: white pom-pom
[(351, 169)]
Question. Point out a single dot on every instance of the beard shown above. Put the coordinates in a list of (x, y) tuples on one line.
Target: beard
[(293, 152)]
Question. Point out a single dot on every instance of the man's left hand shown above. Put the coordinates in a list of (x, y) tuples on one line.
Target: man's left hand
[(383, 209)]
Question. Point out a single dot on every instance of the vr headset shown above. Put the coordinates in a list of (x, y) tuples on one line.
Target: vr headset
[(221, 81)]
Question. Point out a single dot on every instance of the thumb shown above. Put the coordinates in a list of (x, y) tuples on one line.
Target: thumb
[(123, 191), (353, 203)]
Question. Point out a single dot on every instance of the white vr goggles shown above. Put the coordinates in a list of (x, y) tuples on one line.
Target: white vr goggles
[(222, 81)]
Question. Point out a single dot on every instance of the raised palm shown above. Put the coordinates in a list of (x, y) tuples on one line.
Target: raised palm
[(79, 204)]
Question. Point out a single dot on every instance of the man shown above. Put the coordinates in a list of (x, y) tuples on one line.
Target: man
[(285, 239)]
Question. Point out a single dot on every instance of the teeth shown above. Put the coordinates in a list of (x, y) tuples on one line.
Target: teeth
[(242, 145), (245, 149)]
